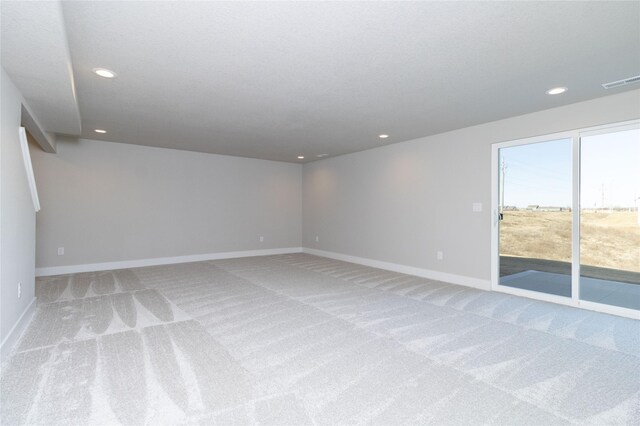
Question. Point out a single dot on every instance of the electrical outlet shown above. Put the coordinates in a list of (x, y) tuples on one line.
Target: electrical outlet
[(477, 207), (317, 239), (261, 239), (60, 251), (439, 255), (19, 290)]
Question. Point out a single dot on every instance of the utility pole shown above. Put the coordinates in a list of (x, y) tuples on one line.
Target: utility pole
[(602, 202), (504, 170)]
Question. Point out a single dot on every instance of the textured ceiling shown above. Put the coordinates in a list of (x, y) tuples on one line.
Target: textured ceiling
[(277, 80)]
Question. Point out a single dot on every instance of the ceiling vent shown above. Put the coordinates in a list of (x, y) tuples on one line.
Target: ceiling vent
[(626, 81)]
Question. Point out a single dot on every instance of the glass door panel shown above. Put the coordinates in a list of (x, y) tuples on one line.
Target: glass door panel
[(535, 226), (609, 218)]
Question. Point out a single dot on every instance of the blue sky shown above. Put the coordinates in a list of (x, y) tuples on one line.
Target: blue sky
[(541, 173)]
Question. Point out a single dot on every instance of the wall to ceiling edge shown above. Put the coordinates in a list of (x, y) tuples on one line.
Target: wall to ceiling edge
[(396, 206)]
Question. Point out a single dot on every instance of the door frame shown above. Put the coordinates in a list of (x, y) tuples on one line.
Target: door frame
[(574, 300)]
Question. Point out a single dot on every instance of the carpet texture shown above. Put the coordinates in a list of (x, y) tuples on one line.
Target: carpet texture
[(298, 339)]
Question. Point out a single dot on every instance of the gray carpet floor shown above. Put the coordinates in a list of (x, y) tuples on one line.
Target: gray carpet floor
[(298, 339)]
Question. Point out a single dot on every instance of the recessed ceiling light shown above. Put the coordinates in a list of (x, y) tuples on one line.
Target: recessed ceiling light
[(556, 90), (383, 136), (103, 72), (300, 157), (322, 155), (100, 131)]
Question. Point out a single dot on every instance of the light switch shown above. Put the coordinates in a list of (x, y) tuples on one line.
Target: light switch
[(477, 207)]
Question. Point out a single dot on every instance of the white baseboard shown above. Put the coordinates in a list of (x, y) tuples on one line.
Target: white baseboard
[(403, 269), (16, 331), (107, 266)]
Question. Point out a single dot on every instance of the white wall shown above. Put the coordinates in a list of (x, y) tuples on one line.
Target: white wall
[(403, 202), (110, 202), (113, 202), (17, 220)]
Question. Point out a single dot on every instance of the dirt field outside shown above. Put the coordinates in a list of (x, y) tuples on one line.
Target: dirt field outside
[(608, 239)]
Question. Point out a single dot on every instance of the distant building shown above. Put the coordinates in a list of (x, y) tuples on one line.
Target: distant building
[(538, 208)]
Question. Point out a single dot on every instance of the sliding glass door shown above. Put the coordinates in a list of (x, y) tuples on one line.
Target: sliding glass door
[(609, 218), (566, 218), (535, 216)]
